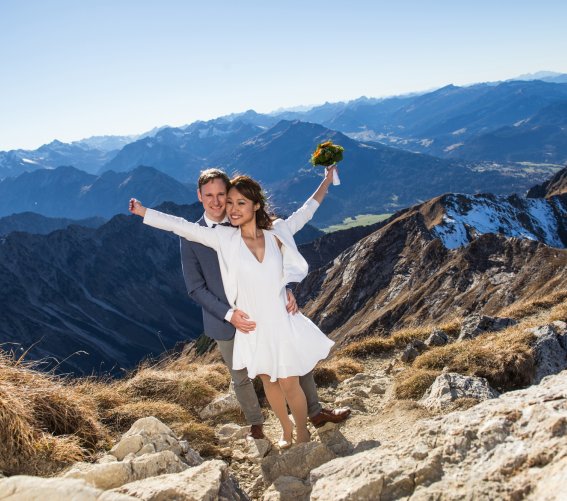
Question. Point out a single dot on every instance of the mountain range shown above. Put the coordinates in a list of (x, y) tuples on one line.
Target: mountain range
[(385, 179), (31, 222), (442, 123), (71, 193), (116, 292), (452, 255)]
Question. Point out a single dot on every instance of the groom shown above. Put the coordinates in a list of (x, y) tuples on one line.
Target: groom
[(204, 285)]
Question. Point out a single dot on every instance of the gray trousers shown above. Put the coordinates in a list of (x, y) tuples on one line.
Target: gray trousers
[(246, 395)]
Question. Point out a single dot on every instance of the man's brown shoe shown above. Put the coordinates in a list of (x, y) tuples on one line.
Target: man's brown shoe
[(330, 416), (256, 432)]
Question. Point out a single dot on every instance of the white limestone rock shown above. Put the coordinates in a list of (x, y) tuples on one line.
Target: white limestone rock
[(220, 405), (28, 488), (288, 489), (114, 474), (450, 386), (209, 481), (148, 434), (550, 349), (296, 462), (512, 447)]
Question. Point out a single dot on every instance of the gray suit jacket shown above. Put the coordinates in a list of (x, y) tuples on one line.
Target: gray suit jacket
[(202, 276)]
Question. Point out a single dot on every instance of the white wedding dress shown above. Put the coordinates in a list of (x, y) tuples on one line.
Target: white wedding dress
[(283, 344)]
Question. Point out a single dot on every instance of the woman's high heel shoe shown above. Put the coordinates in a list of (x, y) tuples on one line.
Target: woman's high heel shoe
[(285, 444)]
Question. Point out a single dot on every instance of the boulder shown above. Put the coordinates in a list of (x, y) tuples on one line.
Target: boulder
[(220, 405), (288, 489), (232, 431), (450, 386), (23, 487), (256, 449), (512, 447), (373, 475), (476, 324), (146, 435), (209, 481), (109, 475), (297, 462), (331, 436), (437, 338), (413, 350), (550, 349)]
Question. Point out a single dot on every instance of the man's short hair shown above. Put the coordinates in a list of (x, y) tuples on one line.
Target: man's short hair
[(210, 174)]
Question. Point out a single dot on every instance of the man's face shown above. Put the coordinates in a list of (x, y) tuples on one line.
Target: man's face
[(213, 197)]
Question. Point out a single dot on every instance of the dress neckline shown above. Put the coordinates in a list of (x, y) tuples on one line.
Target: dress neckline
[(251, 253)]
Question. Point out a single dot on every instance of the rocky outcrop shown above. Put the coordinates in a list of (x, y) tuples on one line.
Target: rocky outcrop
[(207, 482), (220, 405), (476, 324), (550, 349), (512, 447), (401, 275), (449, 387), (54, 489), (149, 462), (297, 462), (557, 185)]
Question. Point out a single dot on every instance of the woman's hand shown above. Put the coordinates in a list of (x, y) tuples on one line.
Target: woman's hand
[(329, 173), (137, 208)]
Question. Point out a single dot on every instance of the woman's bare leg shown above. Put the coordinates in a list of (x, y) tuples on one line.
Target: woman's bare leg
[(298, 404), (276, 398)]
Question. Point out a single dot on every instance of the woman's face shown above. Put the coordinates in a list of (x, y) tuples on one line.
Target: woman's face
[(240, 210)]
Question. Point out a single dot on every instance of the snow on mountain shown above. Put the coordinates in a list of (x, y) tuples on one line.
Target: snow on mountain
[(468, 216)]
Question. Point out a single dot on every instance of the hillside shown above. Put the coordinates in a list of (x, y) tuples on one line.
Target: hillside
[(31, 222), (98, 300), (453, 255), (415, 431), (71, 193)]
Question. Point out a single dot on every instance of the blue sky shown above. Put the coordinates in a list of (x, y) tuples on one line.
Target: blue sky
[(75, 68)]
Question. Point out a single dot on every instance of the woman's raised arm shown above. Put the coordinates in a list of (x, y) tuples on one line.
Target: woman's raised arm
[(178, 225), (321, 191), (302, 215)]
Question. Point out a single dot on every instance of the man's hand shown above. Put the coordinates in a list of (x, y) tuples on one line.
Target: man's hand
[(242, 321), (291, 306)]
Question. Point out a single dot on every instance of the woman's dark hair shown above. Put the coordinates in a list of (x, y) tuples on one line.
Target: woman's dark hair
[(253, 191)]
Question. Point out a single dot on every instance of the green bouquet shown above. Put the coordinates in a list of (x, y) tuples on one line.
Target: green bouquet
[(328, 154)]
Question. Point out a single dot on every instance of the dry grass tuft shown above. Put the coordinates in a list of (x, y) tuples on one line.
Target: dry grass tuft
[(559, 312), (200, 436), (335, 370), (59, 411), (188, 389), (122, 417), (377, 346), (43, 419), (505, 359), (17, 434), (367, 347), (525, 308), (105, 394), (412, 383), (61, 450)]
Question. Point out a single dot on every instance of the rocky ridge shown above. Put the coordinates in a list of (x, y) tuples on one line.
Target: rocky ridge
[(451, 256), (510, 447)]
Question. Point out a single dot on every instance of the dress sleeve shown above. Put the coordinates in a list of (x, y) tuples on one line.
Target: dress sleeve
[(190, 231), (302, 215)]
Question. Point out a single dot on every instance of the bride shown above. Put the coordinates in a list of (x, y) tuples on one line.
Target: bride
[(258, 257)]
